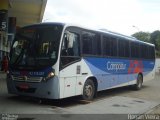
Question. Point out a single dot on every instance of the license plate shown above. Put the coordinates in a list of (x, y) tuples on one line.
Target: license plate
[(24, 86)]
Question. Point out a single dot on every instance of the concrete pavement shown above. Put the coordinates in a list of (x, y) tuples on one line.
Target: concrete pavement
[(115, 105), (3, 86)]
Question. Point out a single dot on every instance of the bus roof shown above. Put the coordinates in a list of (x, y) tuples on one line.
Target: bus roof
[(124, 36)]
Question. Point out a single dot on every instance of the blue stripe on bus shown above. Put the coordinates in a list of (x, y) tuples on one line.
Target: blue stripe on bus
[(112, 72), (118, 66)]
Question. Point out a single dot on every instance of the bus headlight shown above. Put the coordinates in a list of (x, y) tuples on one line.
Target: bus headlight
[(50, 75)]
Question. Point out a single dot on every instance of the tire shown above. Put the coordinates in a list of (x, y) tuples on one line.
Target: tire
[(88, 90), (138, 85)]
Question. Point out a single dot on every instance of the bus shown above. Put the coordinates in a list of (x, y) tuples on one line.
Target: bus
[(58, 60)]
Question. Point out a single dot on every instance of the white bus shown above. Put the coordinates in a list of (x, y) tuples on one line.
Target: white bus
[(56, 60)]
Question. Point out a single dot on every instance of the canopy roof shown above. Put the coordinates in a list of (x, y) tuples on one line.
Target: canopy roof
[(27, 11)]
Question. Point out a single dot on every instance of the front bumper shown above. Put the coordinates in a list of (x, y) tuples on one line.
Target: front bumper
[(45, 89)]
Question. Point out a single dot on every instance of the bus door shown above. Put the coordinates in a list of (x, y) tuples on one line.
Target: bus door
[(69, 64)]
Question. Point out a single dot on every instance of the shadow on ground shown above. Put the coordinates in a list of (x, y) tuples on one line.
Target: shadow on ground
[(72, 101)]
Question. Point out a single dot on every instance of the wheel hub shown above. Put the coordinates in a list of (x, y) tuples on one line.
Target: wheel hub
[(88, 90)]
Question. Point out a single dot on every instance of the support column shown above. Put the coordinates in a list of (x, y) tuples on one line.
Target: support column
[(4, 5)]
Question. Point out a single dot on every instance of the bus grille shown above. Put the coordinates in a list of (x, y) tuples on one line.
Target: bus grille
[(26, 78)]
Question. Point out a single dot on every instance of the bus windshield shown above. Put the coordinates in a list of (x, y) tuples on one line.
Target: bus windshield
[(35, 47)]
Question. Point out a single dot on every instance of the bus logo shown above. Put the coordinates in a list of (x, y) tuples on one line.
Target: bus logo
[(116, 66)]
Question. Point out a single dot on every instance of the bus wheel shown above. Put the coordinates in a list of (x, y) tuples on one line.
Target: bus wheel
[(138, 85), (88, 90)]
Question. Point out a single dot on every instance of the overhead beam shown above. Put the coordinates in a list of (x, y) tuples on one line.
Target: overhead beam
[(27, 1), (27, 11), (43, 6)]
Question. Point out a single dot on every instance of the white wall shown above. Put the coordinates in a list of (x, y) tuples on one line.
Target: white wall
[(157, 66)]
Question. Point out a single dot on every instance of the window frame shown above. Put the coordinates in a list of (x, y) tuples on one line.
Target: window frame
[(97, 37), (110, 38), (77, 31), (126, 50)]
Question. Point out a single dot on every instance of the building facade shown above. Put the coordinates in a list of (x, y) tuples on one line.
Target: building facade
[(15, 14)]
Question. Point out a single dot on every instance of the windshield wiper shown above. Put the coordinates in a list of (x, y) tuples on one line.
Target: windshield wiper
[(19, 58)]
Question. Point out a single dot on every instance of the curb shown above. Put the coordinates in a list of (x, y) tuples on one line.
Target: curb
[(148, 112), (153, 109)]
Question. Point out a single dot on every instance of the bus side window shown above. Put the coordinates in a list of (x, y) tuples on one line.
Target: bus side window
[(70, 48)]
